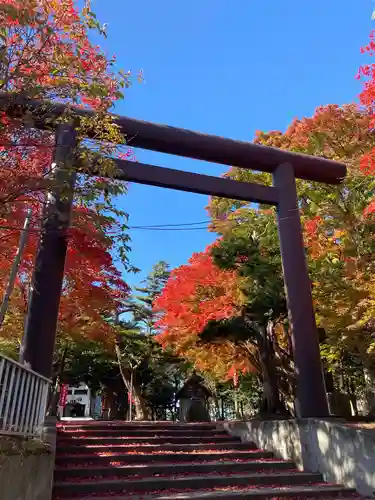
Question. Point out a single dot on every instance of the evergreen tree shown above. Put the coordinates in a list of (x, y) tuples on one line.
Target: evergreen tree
[(141, 305)]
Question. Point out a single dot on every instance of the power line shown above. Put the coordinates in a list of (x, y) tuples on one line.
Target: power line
[(20, 145), (185, 226), (168, 229), (130, 228), (157, 227), (173, 225), (11, 145)]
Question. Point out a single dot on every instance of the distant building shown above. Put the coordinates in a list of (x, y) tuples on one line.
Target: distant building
[(78, 402)]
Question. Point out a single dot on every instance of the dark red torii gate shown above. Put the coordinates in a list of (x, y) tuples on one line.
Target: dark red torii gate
[(39, 338)]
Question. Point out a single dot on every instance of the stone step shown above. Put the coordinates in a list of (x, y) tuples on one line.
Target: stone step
[(64, 440), (162, 457), (171, 469), (125, 448), (144, 485), (291, 493), (140, 432), (139, 425), (167, 461)]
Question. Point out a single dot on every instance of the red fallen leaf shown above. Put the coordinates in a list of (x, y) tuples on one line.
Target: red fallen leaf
[(197, 462), (159, 452), (348, 496), (226, 488), (132, 445), (69, 436), (176, 475)]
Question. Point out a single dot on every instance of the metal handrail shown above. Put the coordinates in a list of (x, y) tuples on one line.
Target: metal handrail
[(23, 398)]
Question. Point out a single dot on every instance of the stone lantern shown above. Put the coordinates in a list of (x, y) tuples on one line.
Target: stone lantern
[(193, 397)]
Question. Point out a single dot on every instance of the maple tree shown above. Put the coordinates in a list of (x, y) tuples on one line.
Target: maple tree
[(193, 295), (338, 227), (46, 53)]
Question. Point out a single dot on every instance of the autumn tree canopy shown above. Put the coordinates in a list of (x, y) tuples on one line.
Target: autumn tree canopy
[(47, 53), (337, 222), (339, 230), (195, 294)]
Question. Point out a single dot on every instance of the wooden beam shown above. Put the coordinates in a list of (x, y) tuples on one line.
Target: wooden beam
[(151, 175), (182, 142)]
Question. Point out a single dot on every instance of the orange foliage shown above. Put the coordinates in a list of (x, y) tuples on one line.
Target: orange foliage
[(336, 132), (92, 286), (367, 99), (50, 54), (195, 294), (341, 133)]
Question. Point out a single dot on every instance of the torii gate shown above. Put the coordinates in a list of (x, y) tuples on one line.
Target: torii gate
[(39, 339)]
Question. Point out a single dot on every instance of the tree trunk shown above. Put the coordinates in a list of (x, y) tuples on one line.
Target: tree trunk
[(236, 405), (222, 409), (131, 395), (271, 402), (242, 410), (141, 411), (110, 404), (270, 398), (54, 394), (353, 398), (114, 413), (369, 376), (217, 408)]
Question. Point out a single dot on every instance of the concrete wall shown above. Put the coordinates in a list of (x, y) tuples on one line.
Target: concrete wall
[(27, 467), (344, 455)]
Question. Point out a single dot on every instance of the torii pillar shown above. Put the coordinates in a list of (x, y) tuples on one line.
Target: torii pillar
[(310, 385)]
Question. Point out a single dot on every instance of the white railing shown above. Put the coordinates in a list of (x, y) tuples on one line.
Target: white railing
[(23, 399)]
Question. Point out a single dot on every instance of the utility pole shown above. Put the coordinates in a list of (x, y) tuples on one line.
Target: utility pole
[(15, 266)]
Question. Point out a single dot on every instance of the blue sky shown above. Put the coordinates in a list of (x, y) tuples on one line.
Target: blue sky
[(226, 68)]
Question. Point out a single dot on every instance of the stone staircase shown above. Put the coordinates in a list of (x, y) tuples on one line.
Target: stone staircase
[(166, 461)]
